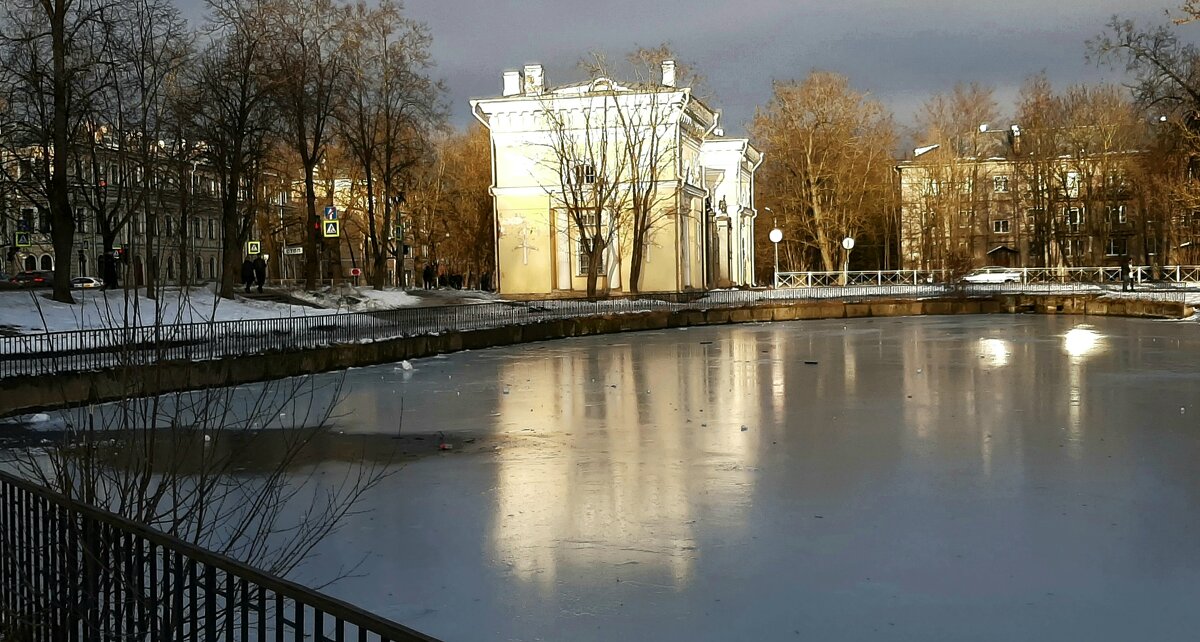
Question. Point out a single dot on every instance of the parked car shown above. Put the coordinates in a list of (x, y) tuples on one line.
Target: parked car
[(993, 274), (86, 283), (32, 279)]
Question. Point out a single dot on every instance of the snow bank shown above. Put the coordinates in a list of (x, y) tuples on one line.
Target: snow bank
[(31, 311)]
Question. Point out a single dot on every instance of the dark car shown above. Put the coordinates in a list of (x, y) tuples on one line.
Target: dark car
[(32, 279)]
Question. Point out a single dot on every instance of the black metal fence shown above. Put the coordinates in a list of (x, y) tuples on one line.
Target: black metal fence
[(97, 349), (76, 573)]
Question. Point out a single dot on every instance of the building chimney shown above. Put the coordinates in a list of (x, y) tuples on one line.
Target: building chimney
[(668, 69), (535, 80), (512, 83)]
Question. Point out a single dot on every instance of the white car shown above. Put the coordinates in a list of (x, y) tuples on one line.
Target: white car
[(993, 274), (86, 283)]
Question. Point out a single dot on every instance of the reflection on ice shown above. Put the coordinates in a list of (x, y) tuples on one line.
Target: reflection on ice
[(1081, 341), (929, 477), (996, 351), (634, 437)]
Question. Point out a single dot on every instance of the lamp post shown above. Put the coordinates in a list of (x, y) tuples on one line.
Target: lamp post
[(847, 244), (776, 236)]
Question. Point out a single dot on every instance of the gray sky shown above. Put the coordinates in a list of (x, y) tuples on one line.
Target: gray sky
[(899, 51)]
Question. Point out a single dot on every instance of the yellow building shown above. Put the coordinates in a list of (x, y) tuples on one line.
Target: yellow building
[(557, 152)]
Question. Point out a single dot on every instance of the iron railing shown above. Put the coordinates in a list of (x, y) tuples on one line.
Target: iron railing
[(1174, 274), (106, 348), (73, 572)]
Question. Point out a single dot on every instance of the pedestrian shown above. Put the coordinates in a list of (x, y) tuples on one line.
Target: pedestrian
[(247, 273), (260, 272), (427, 276), (1127, 274)]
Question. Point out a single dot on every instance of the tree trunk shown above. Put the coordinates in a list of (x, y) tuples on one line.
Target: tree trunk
[(62, 222), (635, 265), (231, 249), (312, 258)]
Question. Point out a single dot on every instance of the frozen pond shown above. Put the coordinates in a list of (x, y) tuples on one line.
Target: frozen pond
[(942, 478), (984, 478)]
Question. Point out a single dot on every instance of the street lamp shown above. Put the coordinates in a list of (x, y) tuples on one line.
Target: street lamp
[(847, 244), (776, 236)]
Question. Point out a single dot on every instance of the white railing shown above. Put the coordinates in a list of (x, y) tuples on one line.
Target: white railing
[(1106, 274)]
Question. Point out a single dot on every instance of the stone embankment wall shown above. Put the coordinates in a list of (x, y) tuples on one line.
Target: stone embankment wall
[(38, 393)]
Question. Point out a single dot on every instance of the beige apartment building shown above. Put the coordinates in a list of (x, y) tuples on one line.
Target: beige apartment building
[(1001, 207)]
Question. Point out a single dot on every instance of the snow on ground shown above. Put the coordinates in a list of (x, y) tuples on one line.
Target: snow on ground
[(366, 299), (31, 311)]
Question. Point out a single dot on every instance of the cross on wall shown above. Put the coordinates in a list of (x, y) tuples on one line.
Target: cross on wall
[(525, 246)]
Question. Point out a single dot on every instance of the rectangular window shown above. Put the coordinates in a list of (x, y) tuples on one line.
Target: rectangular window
[(1116, 215), (584, 246), (1151, 243), (1077, 247), (196, 232), (1072, 185), (1073, 218), (212, 229), (583, 174), (1000, 226), (1000, 184), (170, 226), (964, 218), (966, 186), (1116, 247)]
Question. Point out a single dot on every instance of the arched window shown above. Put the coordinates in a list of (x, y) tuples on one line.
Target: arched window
[(199, 272), (47, 262), (170, 267), (30, 263)]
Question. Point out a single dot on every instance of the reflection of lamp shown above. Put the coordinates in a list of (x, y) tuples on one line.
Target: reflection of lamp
[(1081, 341), (995, 349)]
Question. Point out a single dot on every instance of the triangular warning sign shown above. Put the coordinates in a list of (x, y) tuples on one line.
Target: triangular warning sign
[(331, 228)]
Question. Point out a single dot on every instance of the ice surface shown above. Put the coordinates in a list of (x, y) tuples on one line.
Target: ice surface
[(987, 478), (1036, 481)]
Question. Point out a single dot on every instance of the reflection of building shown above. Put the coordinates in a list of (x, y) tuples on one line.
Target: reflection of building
[(545, 142), (995, 204), (631, 472)]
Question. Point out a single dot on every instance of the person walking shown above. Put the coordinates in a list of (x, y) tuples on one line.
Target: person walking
[(260, 272), (427, 276), (247, 273), (1127, 274)]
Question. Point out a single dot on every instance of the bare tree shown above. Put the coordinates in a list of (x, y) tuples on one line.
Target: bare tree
[(226, 97), (953, 199), (828, 152), (584, 150), (49, 60), (308, 63), (467, 202), (390, 106), (647, 140)]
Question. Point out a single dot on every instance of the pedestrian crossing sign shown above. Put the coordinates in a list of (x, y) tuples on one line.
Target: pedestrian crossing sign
[(254, 247), (332, 229), (23, 240)]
